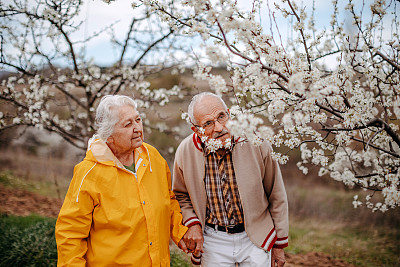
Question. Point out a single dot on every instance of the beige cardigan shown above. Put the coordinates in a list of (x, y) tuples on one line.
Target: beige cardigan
[(260, 185)]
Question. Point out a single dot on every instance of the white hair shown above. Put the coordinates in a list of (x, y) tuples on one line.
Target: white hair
[(106, 115), (196, 99)]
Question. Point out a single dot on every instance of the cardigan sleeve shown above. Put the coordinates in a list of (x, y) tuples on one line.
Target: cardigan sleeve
[(177, 229), (182, 195), (275, 189)]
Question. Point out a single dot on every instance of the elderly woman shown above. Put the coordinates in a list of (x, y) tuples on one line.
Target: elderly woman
[(119, 209)]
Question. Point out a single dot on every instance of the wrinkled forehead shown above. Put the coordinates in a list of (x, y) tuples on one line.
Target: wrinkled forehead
[(208, 107), (208, 101), (125, 111)]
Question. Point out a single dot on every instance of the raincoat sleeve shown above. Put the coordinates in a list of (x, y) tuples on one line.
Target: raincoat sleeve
[(177, 228), (74, 221)]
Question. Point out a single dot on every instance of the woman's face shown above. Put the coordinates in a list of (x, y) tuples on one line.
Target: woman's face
[(128, 131)]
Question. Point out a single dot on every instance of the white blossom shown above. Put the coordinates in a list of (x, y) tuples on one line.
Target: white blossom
[(213, 144), (356, 202)]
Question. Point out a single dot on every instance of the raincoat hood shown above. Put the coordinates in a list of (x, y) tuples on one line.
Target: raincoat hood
[(98, 151)]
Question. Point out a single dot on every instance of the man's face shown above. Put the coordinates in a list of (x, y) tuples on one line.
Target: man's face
[(211, 115), (128, 131)]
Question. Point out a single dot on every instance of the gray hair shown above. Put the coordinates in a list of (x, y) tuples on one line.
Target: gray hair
[(197, 99), (107, 117)]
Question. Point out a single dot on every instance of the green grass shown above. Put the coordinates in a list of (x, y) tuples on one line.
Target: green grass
[(179, 259), (29, 241), (45, 188), (21, 222), (362, 246)]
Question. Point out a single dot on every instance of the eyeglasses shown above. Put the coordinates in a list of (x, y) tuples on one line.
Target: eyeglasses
[(209, 125)]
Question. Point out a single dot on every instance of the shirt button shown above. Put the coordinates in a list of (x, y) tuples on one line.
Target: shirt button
[(144, 165), (144, 202), (151, 243)]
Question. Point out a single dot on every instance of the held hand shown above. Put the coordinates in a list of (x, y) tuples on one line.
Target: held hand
[(277, 257), (182, 246), (193, 239)]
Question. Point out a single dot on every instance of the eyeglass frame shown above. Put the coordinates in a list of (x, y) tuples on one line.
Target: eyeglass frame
[(212, 121)]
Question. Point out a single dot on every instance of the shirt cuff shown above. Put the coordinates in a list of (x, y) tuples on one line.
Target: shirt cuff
[(196, 260), (281, 242), (191, 221)]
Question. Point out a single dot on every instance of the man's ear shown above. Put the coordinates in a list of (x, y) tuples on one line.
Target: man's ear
[(194, 129)]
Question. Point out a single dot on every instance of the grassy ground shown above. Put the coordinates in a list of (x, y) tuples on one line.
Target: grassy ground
[(323, 219), (29, 241), (42, 187), (361, 246)]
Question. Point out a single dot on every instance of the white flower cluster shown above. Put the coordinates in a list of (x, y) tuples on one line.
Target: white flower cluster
[(214, 144), (216, 82), (246, 127)]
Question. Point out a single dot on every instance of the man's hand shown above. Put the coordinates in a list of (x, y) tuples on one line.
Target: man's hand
[(193, 239), (277, 257)]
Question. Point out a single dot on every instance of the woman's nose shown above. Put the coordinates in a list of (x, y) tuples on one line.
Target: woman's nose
[(136, 127)]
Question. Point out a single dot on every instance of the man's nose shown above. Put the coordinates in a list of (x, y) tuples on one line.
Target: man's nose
[(218, 126)]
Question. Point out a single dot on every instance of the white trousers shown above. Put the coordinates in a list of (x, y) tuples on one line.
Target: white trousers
[(226, 250)]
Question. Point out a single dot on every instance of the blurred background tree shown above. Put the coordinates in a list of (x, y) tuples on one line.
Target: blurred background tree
[(51, 82)]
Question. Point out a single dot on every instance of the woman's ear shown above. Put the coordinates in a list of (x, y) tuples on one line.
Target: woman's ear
[(110, 140)]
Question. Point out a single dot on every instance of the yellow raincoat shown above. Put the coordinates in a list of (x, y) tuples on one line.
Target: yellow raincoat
[(114, 217)]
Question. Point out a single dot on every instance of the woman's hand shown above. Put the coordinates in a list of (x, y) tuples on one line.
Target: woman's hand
[(193, 239)]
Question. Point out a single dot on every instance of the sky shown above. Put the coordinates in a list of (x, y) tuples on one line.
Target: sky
[(97, 15)]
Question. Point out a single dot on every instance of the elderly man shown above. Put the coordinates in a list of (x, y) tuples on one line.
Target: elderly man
[(119, 209), (232, 195)]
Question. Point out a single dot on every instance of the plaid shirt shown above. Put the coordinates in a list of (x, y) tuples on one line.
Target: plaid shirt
[(223, 200)]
